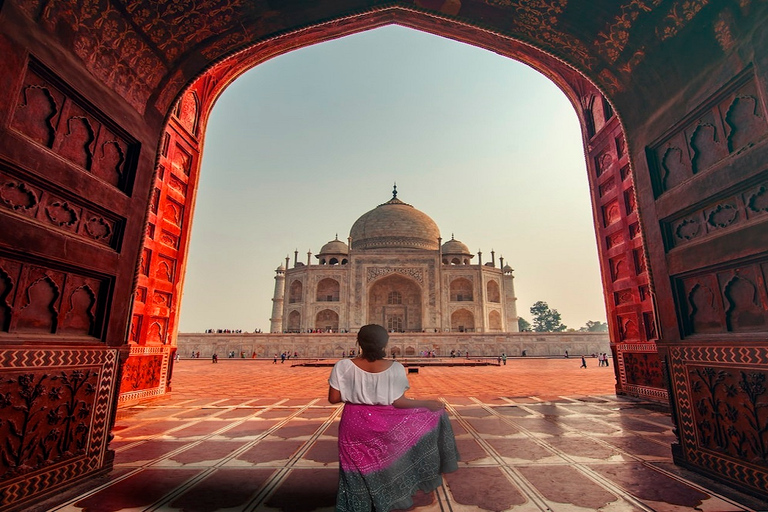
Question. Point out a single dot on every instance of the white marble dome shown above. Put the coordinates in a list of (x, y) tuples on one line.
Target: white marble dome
[(395, 225), (334, 247)]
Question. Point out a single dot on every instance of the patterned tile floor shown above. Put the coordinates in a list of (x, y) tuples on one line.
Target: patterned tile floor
[(534, 435)]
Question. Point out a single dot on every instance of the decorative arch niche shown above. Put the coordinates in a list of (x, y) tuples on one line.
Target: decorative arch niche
[(395, 302)]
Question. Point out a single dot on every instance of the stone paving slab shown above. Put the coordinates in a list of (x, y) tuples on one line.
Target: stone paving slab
[(534, 435)]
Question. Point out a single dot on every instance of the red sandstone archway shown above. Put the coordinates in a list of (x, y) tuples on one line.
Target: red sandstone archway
[(631, 315), (99, 164)]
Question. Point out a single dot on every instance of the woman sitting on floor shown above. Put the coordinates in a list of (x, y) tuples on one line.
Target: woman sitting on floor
[(390, 446)]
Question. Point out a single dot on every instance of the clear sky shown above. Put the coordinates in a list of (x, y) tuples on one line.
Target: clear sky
[(301, 146)]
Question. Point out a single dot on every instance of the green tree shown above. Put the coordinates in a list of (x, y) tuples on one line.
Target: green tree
[(546, 319), (594, 326), (523, 324)]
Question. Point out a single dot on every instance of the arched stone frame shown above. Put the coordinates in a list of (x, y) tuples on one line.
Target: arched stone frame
[(295, 292), (294, 321), (596, 163), (461, 289), (493, 292), (604, 163), (411, 309), (327, 320), (462, 320), (328, 290), (494, 321)]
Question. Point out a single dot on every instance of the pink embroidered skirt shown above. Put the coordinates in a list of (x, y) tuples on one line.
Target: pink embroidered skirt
[(387, 454)]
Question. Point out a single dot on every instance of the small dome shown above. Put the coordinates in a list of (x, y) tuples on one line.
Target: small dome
[(507, 269), (281, 268), (453, 246), (394, 225), (334, 247)]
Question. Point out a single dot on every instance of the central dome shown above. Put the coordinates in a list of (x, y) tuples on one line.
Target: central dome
[(395, 225)]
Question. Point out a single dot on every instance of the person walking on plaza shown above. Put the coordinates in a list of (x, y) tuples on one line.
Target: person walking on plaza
[(390, 446), (583, 362), (504, 358)]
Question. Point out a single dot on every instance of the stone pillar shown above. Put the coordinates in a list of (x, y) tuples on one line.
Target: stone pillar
[(510, 301), (276, 322)]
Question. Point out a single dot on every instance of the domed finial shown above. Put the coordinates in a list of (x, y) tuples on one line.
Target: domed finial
[(337, 237), (451, 236), (394, 191)]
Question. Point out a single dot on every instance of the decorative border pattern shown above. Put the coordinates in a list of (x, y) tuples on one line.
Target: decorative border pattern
[(161, 389), (376, 272), (654, 394)]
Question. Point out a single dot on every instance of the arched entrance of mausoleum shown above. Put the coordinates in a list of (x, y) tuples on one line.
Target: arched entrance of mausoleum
[(96, 221), (395, 302)]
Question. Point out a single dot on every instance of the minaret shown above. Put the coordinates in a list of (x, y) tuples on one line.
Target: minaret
[(276, 322), (510, 301)]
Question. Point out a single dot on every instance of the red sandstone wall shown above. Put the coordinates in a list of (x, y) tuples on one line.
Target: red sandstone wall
[(154, 320)]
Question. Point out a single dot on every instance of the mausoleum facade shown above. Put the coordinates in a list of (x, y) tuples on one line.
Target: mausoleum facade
[(395, 271)]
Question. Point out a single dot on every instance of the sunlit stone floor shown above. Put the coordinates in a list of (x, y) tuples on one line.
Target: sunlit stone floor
[(534, 435)]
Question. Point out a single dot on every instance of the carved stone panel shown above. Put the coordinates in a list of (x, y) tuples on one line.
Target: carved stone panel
[(35, 199), (146, 373), (611, 213), (731, 299), (54, 405), (48, 113), (40, 300), (725, 214), (723, 402), (38, 110), (642, 369), (731, 121)]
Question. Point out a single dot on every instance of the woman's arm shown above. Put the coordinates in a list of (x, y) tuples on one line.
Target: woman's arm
[(409, 403), (334, 395)]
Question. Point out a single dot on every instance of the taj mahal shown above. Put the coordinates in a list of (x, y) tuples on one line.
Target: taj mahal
[(394, 270)]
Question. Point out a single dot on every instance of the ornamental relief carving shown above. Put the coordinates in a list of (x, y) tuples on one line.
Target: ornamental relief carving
[(373, 243), (85, 138), (716, 131), (62, 214), (373, 273), (729, 411), (98, 228), (723, 215), (19, 196), (47, 418), (758, 200), (726, 300), (38, 203)]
